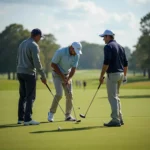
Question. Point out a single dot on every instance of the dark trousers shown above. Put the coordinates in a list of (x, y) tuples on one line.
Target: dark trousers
[(27, 91)]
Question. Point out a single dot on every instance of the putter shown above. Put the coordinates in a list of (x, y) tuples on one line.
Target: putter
[(84, 116), (53, 97), (77, 121)]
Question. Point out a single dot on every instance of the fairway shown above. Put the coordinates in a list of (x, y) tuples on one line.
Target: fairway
[(87, 135)]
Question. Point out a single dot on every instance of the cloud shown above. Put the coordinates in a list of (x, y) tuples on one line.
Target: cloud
[(73, 20), (126, 18), (139, 2)]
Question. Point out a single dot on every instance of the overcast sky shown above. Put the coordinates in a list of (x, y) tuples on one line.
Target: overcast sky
[(77, 20)]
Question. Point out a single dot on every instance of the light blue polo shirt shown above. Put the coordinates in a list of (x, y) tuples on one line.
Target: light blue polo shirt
[(64, 60)]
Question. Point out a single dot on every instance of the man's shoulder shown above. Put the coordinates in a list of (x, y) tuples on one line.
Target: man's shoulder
[(32, 43), (114, 44), (62, 50)]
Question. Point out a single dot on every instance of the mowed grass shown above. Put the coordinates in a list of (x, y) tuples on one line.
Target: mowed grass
[(90, 76), (87, 135)]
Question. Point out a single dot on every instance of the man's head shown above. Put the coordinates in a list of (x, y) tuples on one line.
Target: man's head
[(107, 36), (75, 48), (36, 34)]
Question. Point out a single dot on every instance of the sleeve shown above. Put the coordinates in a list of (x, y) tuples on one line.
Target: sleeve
[(125, 60), (17, 58), (36, 60), (107, 55), (75, 64), (56, 58)]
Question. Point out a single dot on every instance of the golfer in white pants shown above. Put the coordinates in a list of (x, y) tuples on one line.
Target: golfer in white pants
[(64, 64)]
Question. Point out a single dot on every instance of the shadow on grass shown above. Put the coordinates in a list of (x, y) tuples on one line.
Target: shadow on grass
[(10, 126), (68, 130), (135, 96), (21, 125), (132, 96)]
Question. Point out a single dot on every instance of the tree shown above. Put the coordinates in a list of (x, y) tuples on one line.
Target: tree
[(145, 24), (10, 39), (48, 46), (92, 57), (128, 52), (142, 47)]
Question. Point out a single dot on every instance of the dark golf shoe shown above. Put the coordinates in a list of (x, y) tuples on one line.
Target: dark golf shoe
[(20, 122), (112, 124), (70, 118)]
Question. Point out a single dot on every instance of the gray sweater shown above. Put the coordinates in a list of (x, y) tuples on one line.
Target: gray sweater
[(28, 60)]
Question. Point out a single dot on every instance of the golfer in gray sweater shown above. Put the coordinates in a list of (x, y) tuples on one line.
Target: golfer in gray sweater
[(28, 61)]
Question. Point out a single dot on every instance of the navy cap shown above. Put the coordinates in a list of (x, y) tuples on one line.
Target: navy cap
[(36, 31)]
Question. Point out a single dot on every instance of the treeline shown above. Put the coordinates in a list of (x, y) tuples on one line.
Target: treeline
[(140, 58), (92, 57)]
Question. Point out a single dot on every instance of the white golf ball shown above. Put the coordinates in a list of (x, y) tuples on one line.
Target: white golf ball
[(59, 128)]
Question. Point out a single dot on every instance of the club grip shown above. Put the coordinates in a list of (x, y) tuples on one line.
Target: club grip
[(100, 84)]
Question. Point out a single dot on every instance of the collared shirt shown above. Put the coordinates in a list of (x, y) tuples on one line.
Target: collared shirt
[(115, 57), (64, 60)]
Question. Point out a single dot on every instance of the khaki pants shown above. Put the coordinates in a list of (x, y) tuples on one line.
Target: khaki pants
[(59, 86), (114, 81)]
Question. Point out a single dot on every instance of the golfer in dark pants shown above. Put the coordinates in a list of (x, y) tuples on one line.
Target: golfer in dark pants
[(116, 65), (28, 62)]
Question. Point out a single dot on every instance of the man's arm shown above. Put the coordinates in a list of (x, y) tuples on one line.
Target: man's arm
[(72, 72), (37, 63), (104, 69), (107, 58), (74, 66), (125, 70), (57, 70)]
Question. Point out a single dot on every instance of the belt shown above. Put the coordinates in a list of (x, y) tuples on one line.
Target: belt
[(57, 73)]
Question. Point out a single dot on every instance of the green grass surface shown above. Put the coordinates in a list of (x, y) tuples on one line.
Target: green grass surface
[(90, 76), (87, 135)]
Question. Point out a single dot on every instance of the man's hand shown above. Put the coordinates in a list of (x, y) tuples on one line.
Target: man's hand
[(68, 81), (44, 80), (124, 80), (101, 80), (64, 79)]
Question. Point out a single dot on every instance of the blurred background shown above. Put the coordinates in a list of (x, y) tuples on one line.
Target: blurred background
[(64, 21)]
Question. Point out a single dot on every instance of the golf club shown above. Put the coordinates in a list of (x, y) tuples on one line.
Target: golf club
[(54, 96), (77, 121), (84, 116)]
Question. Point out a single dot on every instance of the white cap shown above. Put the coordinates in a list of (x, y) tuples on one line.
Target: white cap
[(107, 32), (77, 47)]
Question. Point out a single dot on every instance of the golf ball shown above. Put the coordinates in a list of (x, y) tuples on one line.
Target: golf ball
[(59, 128)]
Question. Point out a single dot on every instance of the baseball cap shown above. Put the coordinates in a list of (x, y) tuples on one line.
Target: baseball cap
[(77, 47), (107, 32), (36, 31)]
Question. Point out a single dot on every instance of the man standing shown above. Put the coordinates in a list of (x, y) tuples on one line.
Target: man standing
[(28, 62), (64, 64), (116, 65)]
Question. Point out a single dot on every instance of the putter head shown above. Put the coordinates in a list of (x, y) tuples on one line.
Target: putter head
[(82, 116), (78, 121)]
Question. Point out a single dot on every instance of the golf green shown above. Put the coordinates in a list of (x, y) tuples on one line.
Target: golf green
[(87, 135)]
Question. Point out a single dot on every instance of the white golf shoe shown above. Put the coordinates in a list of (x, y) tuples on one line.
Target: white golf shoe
[(32, 122), (50, 117)]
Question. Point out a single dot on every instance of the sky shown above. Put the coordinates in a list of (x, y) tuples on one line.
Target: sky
[(78, 20)]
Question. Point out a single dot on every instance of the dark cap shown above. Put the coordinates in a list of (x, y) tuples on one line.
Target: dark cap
[(36, 31)]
